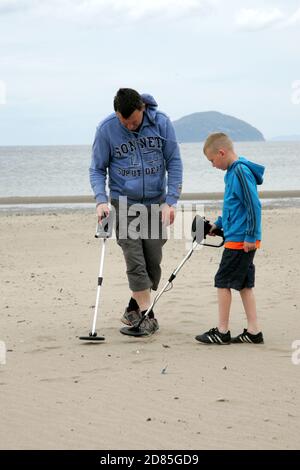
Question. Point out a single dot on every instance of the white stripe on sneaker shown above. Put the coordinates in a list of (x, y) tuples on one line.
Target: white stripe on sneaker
[(248, 339)]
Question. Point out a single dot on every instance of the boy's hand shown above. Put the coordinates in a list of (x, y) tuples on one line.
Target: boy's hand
[(167, 214), (249, 246), (213, 227), (102, 211)]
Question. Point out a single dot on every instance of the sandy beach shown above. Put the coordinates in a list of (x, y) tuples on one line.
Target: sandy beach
[(59, 393)]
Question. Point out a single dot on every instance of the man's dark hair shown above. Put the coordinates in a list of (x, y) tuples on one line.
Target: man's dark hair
[(127, 101)]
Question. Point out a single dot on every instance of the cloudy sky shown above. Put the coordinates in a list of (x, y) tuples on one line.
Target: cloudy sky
[(61, 62)]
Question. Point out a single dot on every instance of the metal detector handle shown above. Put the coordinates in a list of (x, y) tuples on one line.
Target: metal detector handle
[(104, 228), (219, 233)]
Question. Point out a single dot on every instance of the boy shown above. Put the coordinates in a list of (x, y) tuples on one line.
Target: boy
[(241, 224)]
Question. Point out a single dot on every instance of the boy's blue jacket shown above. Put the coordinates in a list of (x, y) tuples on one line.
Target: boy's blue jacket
[(137, 162), (241, 217)]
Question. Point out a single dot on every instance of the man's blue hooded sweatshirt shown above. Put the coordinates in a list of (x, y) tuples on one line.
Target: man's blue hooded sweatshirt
[(241, 217), (137, 162)]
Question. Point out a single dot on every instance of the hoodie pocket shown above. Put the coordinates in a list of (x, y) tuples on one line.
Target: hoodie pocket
[(133, 188), (154, 182), (226, 219), (154, 173), (225, 215)]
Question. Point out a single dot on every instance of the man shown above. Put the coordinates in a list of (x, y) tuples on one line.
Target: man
[(137, 147)]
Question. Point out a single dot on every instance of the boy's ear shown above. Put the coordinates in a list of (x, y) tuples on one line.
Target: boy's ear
[(222, 152)]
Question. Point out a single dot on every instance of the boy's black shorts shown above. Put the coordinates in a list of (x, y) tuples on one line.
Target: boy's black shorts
[(236, 270)]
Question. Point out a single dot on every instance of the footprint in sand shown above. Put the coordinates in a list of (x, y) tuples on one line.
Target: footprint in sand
[(60, 379), (45, 338), (45, 349)]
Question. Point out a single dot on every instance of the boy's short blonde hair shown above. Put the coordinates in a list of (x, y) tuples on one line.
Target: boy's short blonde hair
[(216, 140)]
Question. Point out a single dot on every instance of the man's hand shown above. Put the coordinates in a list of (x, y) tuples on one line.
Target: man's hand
[(167, 214), (249, 246), (102, 211)]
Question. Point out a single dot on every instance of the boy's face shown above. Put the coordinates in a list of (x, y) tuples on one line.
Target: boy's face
[(217, 158)]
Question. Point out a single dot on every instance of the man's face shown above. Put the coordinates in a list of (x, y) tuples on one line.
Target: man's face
[(134, 121), (217, 158)]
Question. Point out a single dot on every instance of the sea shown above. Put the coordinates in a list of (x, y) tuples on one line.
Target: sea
[(63, 170)]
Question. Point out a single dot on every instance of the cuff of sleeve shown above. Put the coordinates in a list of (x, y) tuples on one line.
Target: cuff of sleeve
[(218, 222), (101, 199), (171, 200)]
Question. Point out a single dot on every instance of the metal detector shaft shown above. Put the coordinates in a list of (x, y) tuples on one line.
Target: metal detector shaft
[(170, 280), (100, 280)]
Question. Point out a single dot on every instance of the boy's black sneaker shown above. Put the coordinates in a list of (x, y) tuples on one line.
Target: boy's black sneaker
[(247, 337), (213, 336)]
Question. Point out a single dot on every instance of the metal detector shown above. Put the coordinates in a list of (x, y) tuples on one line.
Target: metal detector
[(103, 231)]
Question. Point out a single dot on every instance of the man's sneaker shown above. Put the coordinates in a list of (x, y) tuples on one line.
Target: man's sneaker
[(148, 326), (131, 317), (247, 337), (213, 336)]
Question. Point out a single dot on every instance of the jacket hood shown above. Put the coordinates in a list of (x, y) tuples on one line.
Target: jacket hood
[(151, 106), (256, 169)]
